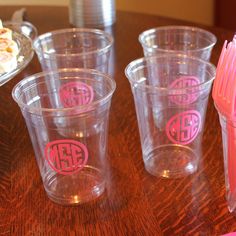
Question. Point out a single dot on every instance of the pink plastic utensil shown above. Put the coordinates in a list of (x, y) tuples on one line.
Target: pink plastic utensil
[(223, 90), (224, 95)]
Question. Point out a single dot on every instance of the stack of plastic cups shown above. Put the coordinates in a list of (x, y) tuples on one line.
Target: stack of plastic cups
[(75, 64), (92, 13)]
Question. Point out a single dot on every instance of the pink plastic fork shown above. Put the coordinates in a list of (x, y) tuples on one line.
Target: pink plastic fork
[(224, 95), (219, 79)]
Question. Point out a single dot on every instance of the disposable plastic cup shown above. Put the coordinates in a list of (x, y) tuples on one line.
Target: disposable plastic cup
[(74, 48), (171, 95), (228, 128), (69, 137), (188, 40)]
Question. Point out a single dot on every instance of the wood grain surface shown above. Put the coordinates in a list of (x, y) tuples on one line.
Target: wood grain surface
[(135, 203)]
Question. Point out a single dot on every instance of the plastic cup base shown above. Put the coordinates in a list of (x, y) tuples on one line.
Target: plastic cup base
[(82, 187), (171, 161)]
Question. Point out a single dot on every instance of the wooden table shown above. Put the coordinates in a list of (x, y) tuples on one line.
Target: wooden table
[(135, 202)]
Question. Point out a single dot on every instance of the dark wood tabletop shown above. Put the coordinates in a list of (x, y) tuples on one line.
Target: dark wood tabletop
[(135, 202)]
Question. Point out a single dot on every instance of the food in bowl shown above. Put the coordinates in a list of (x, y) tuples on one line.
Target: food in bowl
[(8, 50)]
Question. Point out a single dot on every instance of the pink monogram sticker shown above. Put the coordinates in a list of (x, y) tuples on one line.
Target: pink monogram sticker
[(66, 156), (76, 94), (183, 128), (185, 82)]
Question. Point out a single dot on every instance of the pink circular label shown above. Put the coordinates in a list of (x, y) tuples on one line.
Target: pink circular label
[(185, 82), (76, 94), (183, 128), (66, 156)]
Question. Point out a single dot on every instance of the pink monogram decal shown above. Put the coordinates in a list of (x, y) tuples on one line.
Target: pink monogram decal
[(66, 156), (183, 128), (185, 82), (76, 94)]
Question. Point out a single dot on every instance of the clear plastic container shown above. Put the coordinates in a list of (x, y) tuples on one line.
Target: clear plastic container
[(74, 48), (69, 135), (188, 40), (171, 95)]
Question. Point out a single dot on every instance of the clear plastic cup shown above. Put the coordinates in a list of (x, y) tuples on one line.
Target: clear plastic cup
[(69, 137), (74, 48), (171, 95), (228, 128), (188, 40)]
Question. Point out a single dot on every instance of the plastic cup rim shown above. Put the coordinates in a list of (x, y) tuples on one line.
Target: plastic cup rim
[(180, 27), (166, 90), (36, 76), (106, 35)]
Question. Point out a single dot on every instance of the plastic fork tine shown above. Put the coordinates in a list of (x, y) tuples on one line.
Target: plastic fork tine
[(224, 74), (224, 70), (232, 90), (231, 80), (219, 67), (233, 95), (228, 73), (222, 54)]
